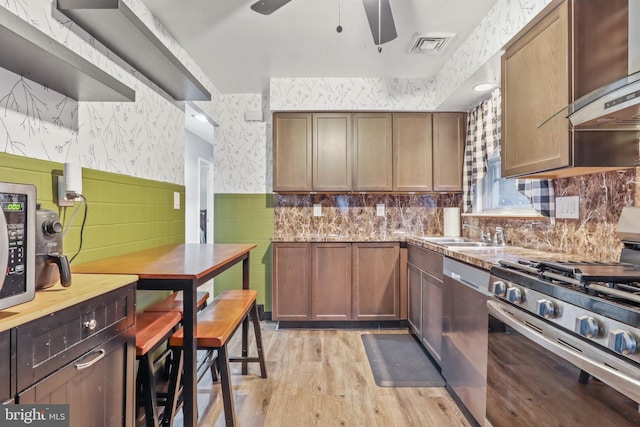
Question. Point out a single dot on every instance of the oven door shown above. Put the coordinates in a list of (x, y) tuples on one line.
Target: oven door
[(539, 375)]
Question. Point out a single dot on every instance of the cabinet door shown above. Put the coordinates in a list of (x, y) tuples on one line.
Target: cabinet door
[(5, 371), (291, 281), (448, 150), (292, 152), (331, 281), (332, 152), (372, 152), (412, 152), (432, 315), (376, 281), (535, 86), (94, 386), (415, 299)]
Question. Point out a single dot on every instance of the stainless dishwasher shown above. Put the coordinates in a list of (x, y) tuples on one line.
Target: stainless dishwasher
[(465, 335)]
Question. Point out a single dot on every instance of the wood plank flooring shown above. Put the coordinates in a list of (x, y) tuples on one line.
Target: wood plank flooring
[(321, 378)]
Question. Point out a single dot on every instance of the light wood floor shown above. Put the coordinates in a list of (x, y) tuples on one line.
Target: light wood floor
[(321, 378)]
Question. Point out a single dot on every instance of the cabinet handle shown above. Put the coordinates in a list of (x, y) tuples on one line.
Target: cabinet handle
[(80, 366), (90, 324)]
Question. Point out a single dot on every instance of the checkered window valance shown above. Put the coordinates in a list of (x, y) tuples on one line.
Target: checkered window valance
[(483, 139)]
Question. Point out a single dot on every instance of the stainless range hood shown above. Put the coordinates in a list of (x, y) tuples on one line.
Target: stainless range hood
[(615, 106)]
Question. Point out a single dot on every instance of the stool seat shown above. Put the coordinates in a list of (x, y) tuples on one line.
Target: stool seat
[(174, 302), (152, 328), (216, 324)]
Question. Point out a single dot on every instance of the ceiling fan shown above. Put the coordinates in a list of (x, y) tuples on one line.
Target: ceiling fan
[(379, 15)]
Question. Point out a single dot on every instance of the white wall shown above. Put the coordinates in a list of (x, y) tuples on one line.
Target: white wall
[(195, 148)]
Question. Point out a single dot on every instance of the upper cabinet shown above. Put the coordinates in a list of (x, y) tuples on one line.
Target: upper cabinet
[(292, 152), (449, 131), (413, 152), (116, 26), (571, 49), (343, 152), (332, 152), (535, 85), (372, 151), (27, 51)]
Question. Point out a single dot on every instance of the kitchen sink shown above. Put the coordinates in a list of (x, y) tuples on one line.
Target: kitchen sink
[(460, 242)]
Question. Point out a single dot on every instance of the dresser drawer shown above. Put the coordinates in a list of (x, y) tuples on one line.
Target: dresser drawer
[(49, 343)]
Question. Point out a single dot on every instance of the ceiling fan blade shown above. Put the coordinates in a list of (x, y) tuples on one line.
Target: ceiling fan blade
[(267, 7), (380, 19)]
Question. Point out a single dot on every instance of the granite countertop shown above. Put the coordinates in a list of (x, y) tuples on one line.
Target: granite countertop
[(486, 257)]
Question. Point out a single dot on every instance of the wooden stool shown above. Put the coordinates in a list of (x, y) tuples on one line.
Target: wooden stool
[(216, 325), (152, 330), (174, 302)]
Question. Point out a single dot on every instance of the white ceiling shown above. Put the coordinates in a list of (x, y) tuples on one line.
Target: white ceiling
[(240, 50)]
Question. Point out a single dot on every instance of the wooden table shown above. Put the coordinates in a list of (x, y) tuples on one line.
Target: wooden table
[(181, 267)]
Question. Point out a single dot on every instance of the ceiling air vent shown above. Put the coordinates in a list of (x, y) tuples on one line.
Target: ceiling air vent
[(432, 43)]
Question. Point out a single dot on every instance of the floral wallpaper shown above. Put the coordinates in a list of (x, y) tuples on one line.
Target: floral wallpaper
[(241, 151), (144, 138), (502, 22)]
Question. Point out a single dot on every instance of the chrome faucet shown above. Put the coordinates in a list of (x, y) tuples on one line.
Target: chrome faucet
[(483, 236), (499, 237)]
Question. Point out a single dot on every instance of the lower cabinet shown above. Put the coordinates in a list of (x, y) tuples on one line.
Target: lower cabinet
[(426, 298), (5, 370), (336, 281), (84, 356)]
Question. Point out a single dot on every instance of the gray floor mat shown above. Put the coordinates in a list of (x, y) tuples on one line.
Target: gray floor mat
[(397, 360)]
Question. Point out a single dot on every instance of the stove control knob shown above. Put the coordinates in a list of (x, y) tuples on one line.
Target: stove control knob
[(587, 326), (499, 288), (514, 295), (546, 309), (622, 342)]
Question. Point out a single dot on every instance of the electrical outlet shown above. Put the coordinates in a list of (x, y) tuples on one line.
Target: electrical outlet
[(62, 194), (568, 207), (176, 200), (317, 209), (380, 209)]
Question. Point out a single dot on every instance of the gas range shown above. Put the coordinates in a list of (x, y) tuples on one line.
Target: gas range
[(599, 302)]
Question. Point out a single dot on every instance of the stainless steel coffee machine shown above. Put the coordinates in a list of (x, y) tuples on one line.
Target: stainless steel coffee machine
[(51, 264)]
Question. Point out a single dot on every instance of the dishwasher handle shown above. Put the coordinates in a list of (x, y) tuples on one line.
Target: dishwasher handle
[(466, 274)]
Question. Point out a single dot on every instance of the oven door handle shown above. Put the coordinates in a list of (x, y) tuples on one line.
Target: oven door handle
[(625, 384)]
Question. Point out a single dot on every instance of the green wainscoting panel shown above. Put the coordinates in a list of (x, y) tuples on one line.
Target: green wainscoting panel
[(125, 214), (246, 218)]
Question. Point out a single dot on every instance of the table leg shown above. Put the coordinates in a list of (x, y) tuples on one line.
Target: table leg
[(245, 323), (190, 388)]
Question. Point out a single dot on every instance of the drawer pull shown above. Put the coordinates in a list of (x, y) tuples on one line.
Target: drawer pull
[(90, 324), (101, 353)]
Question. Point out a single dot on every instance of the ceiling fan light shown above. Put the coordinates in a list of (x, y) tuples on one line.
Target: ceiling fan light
[(483, 87), (267, 7), (380, 18)]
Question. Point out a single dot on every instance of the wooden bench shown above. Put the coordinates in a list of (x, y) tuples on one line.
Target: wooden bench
[(174, 302), (152, 330), (216, 324)]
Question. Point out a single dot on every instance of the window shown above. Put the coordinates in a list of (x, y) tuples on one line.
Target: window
[(493, 195)]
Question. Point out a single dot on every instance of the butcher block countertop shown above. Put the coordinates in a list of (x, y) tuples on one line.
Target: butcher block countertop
[(486, 257), (55, 298)]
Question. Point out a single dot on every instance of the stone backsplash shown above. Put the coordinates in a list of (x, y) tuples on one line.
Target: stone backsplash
[(352, 217), (602, 197)]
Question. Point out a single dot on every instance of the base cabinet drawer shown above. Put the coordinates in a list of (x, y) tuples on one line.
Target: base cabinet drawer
[(93, 385)]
